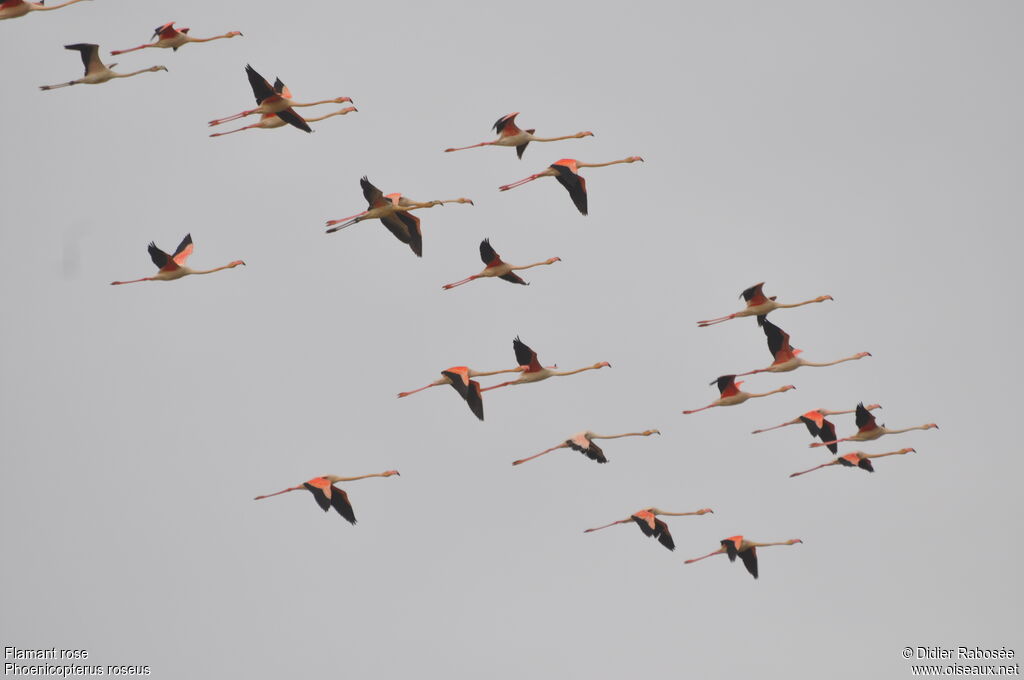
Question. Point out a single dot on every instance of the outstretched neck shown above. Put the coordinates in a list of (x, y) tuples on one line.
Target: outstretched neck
[(43, 8), (601, 165)]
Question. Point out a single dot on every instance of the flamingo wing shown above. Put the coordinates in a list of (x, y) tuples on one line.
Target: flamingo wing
[(828, 434), (319, 495), (292, 118), (90, 54), (506, 125), (778, 339), (339, 501), (587, 448), (160, 258), (749, 557), (261, 89), (813, 420), (488, 255), (468, 390), (184, 250), (661, 532), (865, 464), (731, 546), (513, 278), (8, 4), (574, 184), (374, 196), (726, 385), (525, 356), (754, 296), (166, 31), (412, 226), (522, 147), (865, 421)]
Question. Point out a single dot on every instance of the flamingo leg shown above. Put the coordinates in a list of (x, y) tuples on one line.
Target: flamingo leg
[(448, 286), (406, 394), (817, 444), (621, 521), (132, 49), (243, 114), (792, 422), (121, 283), (247, 127), (278, 493), (352, 219), (720, 551), (473, 146), (521, 182), (712, 322), (538, 455), (696, 410), (494, 387)]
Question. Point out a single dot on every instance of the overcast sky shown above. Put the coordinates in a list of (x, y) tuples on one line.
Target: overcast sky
[(870, 151)]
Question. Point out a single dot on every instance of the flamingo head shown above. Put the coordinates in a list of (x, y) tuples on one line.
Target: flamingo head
[(602, 364), (554, 260), (648, 433), (232, 34), (930, 426), (908, 450), (872, 407), (236, 263), (342, 100), (585, 134), (861, 355), (793, 540), (153, 68), (704, 511), (822, 298), (390, 473), (634, 159), (787, 388)]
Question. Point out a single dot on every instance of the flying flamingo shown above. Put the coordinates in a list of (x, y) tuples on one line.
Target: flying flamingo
[(173, 266), (817, 424), (461, 378), (649, 523), (787, 358), (496, 267), (869, 430), (566, 172), (271, 121), (393, 212), (12, 9), (584, 443), (445, 379), (174, 38), (532, 371), (273, 100), (855, 459), (509, 134), (731, 394), (747, 550), (759, 305), (95, 71), (327, 495)]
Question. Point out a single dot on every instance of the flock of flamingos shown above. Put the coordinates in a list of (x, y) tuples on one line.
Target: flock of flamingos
[(276, 108)]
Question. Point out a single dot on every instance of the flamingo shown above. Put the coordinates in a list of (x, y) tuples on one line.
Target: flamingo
[(327, 495), (271, 121), (747, 551), (95, 71), (173, 266), (273, 100), (869, 430), (566, 171), (818, 425), (649, 523), (532, 371), (856, 459), (787, 358), (759, 305), (445, 379), (730, 393), (509, 134), (584, 443), (496, 267), (174, 38), (393, 212), (12, 9)]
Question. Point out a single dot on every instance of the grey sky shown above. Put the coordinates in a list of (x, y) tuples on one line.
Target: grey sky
[(870, 151)]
